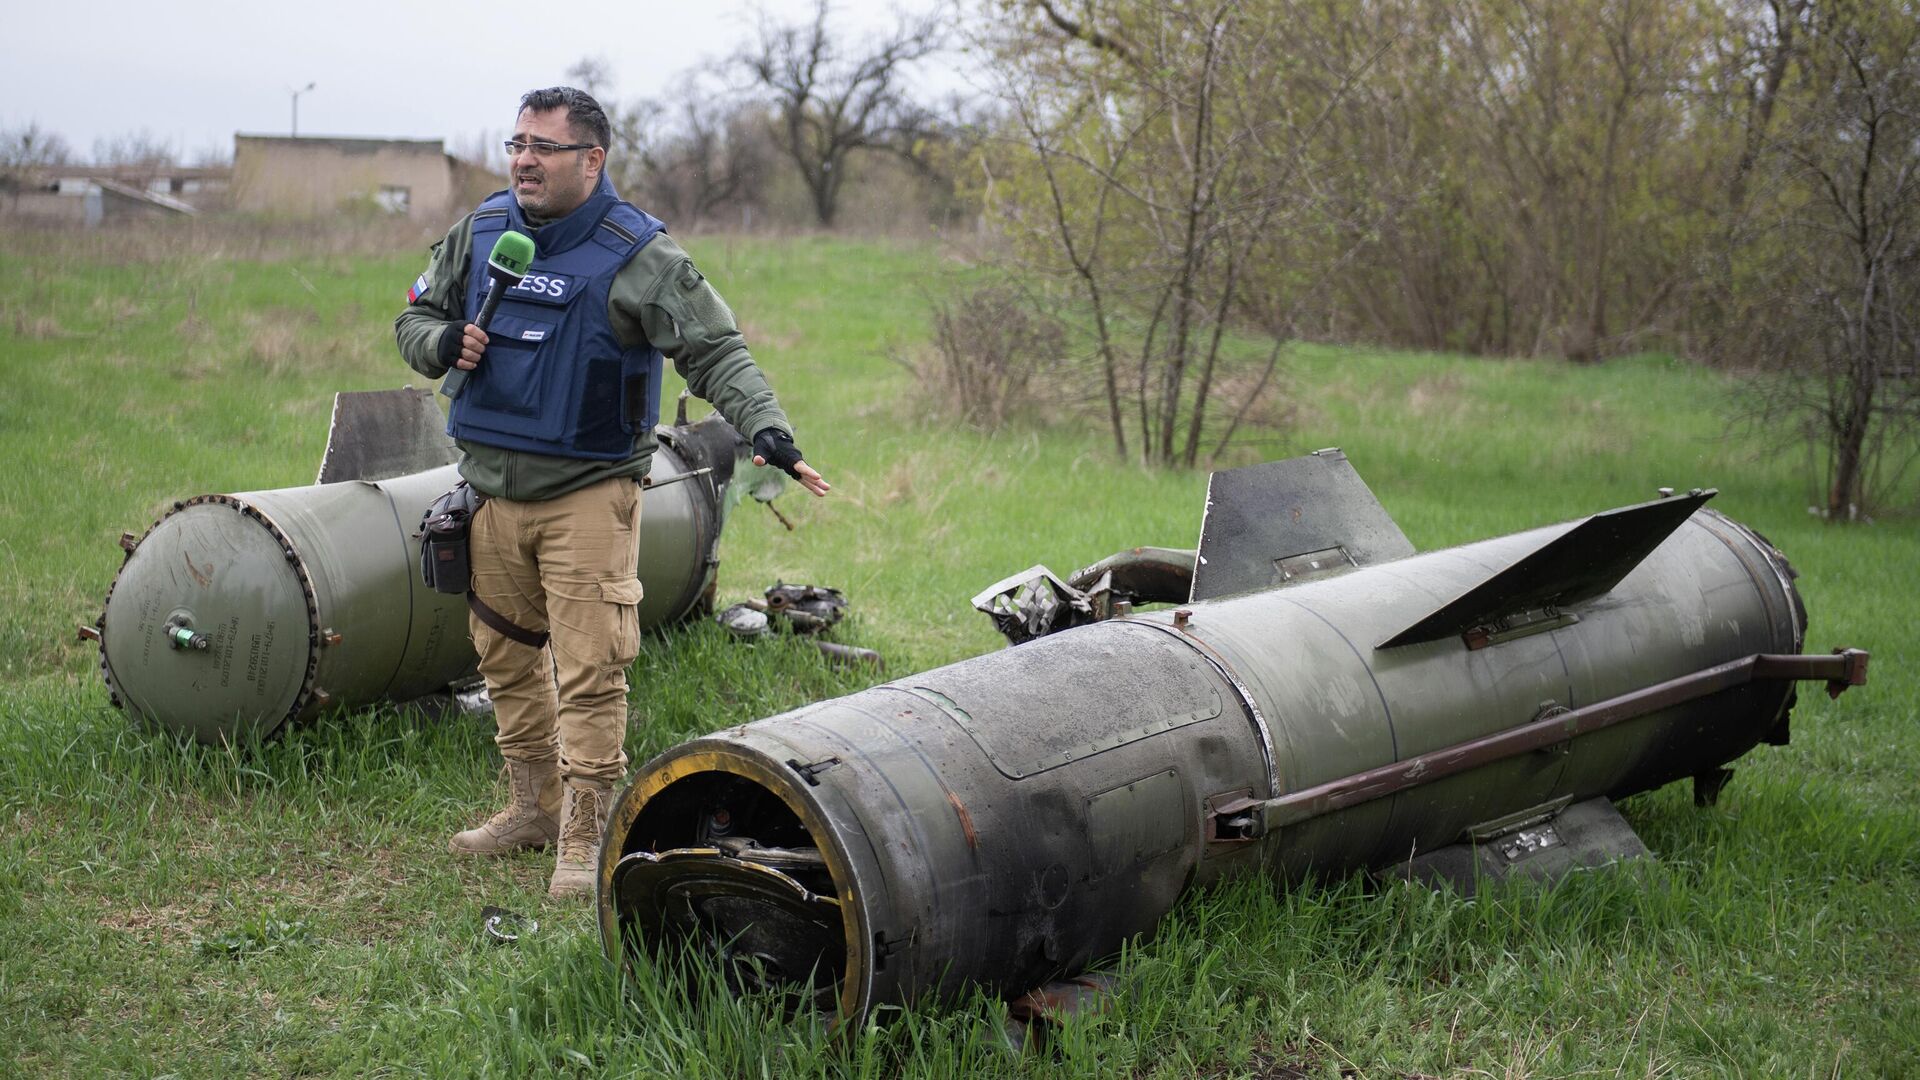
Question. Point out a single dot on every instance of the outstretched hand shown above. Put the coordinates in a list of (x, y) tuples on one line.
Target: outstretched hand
[(804, 473), (771, 446)]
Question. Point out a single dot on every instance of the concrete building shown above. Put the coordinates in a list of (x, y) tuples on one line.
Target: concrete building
[(91, 194), (305, 176)]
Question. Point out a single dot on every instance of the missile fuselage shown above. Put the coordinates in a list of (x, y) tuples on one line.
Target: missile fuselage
[(237, 614), (1019, 816)]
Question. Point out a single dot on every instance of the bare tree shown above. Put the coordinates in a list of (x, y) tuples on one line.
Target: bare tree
[(698, 151), (1764, 48), (135, 150), (33, 145), (685, 155), (1163, 165), (1509, 176), (24, 153), (1827, 274), (830, 104), (1573, 163), (594, 74)]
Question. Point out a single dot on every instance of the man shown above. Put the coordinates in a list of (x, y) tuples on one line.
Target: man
[(553, 410)]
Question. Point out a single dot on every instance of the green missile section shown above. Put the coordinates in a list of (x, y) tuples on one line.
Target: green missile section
[(307, 598)]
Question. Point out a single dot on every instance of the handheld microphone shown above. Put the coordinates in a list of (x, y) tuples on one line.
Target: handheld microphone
[(512, 256)]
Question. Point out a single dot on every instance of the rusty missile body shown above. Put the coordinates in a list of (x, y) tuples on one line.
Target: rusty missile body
[(1323, 700)]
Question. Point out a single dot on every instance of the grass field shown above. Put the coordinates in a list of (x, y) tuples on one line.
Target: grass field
[(167, 909)]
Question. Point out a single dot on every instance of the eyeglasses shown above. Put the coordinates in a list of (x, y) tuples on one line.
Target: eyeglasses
[(542, 149)]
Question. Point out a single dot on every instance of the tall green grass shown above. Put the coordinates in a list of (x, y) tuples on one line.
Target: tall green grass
[(172, 909)]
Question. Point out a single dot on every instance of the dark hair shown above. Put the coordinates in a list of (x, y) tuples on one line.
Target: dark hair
[(585, 117)]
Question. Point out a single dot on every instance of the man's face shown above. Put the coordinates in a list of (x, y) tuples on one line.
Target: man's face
[(555, 185)]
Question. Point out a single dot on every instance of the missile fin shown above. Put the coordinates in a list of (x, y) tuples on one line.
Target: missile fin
[(1581, 563), (1284, 521), (381, 434)]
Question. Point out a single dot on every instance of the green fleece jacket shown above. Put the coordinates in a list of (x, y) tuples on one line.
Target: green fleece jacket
[(659, 298)]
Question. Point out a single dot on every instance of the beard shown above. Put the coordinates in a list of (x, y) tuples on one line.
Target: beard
[(548, 192)]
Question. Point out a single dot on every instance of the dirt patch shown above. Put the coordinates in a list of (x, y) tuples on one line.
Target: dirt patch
[(170, 924)]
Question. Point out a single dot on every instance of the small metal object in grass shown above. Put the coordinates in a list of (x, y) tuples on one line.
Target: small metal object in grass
[(808, 609), (504, 927), (744, 620)]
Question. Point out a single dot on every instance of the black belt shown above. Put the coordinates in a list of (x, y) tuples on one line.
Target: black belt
[(504, 626), (499, 623)]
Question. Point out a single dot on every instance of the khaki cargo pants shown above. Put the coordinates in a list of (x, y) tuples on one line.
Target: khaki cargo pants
[(567, 566)]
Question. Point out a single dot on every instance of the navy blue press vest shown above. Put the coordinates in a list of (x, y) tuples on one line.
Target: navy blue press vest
[(554, 379)]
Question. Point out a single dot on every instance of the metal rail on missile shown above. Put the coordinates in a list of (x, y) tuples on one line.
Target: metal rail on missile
[(1250, 819)]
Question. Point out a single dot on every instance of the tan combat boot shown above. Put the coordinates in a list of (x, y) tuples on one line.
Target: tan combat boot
[(528, 823), (583, 821)]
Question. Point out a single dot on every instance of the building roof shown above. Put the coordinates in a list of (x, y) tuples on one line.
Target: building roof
[(134, 194), (133, 173), (345, 143)]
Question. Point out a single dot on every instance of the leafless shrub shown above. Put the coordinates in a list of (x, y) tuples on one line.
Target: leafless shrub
[(283, 341), (1160, 166), (997, 357)]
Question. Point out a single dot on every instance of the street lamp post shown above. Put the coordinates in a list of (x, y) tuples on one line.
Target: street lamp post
[(296, 107)]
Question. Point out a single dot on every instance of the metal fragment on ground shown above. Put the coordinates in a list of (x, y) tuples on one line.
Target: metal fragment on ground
[(849, 655), (807, 609), (744, 621), (503, 927)]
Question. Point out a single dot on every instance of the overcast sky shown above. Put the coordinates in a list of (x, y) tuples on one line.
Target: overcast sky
[(193, 72)]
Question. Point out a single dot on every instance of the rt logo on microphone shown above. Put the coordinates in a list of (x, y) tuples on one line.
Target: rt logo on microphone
[(547, 285)]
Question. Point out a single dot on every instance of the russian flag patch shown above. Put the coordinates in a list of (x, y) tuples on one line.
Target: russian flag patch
[(419, 289)]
